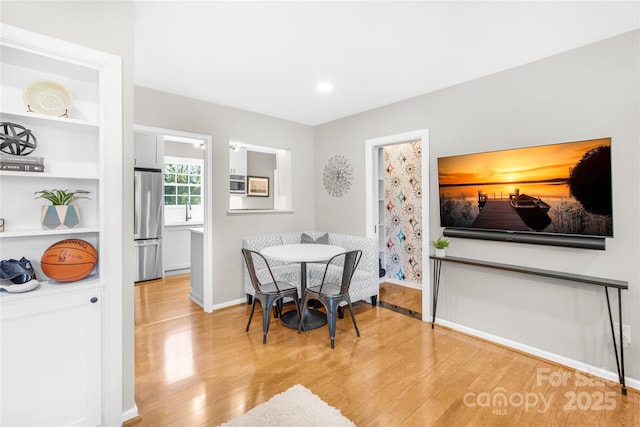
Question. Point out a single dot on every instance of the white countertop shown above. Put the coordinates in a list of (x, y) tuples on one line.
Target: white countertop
[(184, 224), (199, 230)]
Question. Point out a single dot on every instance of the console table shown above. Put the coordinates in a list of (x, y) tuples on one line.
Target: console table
[(597, 281)]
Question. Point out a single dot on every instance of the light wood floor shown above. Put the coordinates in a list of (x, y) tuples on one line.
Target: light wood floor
[(199, 369), (402, 297)]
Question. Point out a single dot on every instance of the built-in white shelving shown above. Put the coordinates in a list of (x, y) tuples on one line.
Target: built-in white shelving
[(382, 243), (50, 288), (63, 332), (63, 121), (40, 232)]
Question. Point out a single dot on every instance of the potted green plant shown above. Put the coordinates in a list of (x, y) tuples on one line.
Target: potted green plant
[(440, 244), (62, 212)]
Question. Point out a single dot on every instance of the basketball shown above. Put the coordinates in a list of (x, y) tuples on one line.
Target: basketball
[(69, 260)]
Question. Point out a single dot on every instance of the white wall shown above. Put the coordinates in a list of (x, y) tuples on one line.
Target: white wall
[(159, 109), (92, 24), (586, 93)]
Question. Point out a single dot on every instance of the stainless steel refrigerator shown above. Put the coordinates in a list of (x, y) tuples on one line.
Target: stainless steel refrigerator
[(148, 223)]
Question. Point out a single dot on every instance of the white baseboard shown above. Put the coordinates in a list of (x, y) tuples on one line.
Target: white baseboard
[(401, 283), (196, 300), (218, 306), (230, 303), (130, 413), (580, 366), (176, 271)]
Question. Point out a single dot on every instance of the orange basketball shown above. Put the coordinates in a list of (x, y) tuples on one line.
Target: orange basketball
[(69, 260)]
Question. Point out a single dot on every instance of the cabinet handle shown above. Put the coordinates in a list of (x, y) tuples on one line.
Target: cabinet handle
[(94, 300)]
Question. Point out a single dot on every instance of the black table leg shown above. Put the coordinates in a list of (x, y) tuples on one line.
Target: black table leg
[(437, 266), (619, 360), (313, 319)]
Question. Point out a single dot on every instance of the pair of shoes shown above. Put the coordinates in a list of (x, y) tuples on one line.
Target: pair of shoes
[(17, 276)]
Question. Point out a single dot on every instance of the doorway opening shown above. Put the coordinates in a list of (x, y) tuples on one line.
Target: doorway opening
[(190, 162), (397, 214)]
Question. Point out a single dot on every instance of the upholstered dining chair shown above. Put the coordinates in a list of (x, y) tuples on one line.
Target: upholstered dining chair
[(334, 290), (267, 293)]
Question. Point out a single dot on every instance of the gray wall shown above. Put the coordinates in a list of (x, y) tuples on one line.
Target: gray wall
[(260, 164), (586, 93), (183, 149), (92, 24), (159, 109)]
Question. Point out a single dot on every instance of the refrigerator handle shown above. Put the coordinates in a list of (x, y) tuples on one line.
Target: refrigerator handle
[(141, 244), (137, 215), (154, 242)]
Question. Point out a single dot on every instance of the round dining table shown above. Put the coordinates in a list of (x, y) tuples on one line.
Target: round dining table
[(302, 253)]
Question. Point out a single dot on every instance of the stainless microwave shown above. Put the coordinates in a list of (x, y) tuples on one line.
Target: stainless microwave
[(237, 184)]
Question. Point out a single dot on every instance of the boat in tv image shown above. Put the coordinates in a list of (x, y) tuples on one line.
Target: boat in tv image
[(559, 189)]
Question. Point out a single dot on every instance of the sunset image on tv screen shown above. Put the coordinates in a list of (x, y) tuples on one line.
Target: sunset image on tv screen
[(559, 188)]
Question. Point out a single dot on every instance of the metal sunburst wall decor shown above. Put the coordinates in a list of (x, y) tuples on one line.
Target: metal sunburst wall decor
[(337, 176)]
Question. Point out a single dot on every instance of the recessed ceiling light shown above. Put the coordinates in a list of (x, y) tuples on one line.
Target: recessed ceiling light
[(325, 87)]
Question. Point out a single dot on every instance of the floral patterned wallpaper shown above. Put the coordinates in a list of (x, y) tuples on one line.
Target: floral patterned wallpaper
[(403, 213)]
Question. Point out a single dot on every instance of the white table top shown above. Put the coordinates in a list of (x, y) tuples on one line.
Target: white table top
[(301, 252)]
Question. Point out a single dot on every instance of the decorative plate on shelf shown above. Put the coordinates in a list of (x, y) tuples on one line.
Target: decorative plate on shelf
[(47, 97)]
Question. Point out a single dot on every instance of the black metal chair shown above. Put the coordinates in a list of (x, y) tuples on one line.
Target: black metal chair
[(267, 293), (333, 290)]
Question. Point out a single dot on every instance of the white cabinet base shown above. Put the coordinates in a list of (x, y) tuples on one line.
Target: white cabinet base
[(176, 252), (55, 378), (197, 267)]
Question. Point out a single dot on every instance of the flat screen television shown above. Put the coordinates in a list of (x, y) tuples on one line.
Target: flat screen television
[(558, 194)]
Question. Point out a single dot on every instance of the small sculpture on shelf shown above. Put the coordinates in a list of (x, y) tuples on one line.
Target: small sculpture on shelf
[(16, 139)]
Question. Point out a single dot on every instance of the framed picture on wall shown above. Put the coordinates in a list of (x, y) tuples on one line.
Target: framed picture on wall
[(258, 186)]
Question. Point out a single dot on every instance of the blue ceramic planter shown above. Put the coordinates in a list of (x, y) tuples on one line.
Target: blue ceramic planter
[(60, 217)]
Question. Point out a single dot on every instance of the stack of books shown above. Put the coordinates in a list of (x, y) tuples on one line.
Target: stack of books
[(11, 162)]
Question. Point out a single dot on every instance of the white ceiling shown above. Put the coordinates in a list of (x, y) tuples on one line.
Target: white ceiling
[(268, 57)]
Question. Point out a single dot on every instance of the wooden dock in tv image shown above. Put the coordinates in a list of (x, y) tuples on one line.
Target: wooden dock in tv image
[(499, 211), (520, 212)]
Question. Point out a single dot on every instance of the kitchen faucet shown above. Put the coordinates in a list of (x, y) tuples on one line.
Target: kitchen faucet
[(187, 209)]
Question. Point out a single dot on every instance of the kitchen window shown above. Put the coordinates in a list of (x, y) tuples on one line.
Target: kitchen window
[(182, 181)]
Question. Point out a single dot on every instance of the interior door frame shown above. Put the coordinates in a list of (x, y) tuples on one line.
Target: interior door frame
[(207, 214), (371, 193)]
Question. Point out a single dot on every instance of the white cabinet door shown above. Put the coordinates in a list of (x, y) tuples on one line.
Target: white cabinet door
[(176, 243), (197, 268), (238, 161), (51, 360), (148, 151)]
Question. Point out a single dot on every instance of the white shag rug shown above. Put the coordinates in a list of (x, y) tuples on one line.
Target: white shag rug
[(297, 406)]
